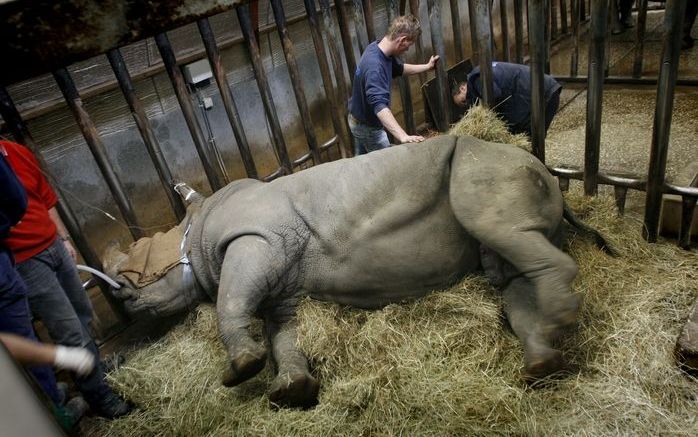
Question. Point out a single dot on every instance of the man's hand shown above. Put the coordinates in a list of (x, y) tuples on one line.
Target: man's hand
[(71, 250), (411, 139), (433, 61)]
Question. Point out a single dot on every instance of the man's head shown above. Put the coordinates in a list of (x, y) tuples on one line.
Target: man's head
[(459, 93), (403, 32)]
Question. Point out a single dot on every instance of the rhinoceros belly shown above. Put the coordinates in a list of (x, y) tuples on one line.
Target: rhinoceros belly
[(382, 262)]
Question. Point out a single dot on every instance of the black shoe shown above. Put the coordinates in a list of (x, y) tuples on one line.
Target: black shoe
[(112, 406), (687, 42), (69, 415), (627, 22), (113, 362), (617, 29)]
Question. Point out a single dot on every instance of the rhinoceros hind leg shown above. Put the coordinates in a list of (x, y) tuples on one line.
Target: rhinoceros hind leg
[(293, 386), (540, 359)]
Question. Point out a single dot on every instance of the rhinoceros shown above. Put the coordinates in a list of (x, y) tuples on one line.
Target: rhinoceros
[(369, 231)]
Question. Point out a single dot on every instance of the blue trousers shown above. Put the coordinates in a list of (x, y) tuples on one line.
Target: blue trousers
[(15, 318), (367, 138), (57, 297)]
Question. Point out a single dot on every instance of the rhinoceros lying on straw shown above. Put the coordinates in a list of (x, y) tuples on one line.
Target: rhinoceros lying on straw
[(369, 231)]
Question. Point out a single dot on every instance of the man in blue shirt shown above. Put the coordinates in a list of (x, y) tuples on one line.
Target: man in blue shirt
[(369, 106), (512, 95)]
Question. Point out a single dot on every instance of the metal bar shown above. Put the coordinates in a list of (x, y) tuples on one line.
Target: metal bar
[(89, 131), (563, 17), (673, 20), (640, 37), (597, 34), (294, 73), (455, 24), (343, 20), (149, 139), (504, 20), (622, 80), (473, 32), (483, 27), (214, 58), (277, 138), (518, 31), (19, 131), (537, 19), (360, 25), (339, 123), (212, 170), (553, 18), (414, 10), (403, 82), (368, 17), (548, 36), (437, 42), (620, 193), (688, 208), (574, 58), (328, 29)]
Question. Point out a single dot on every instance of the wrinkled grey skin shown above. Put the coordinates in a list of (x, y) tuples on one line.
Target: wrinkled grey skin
[(369, 231)]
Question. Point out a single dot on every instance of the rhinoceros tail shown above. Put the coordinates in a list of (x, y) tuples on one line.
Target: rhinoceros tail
[(587, 230)]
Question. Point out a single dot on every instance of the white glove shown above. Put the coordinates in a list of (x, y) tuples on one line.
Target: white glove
[(79, 360)]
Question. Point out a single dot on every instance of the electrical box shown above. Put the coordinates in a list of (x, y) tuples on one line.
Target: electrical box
[(198, 72)]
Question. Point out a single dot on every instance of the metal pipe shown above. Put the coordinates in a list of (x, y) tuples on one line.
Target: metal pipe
[(552, 4), (368, 17), (94, 142), (537, 19), (343, 20), (504, 21), (574, 58), (19, 131), (518, 31), (277, 138), (339, 124), (673, 20), (597, 34), (294, 73), (455, 24), (214, 59), (688, 208), (548, 36), (640, 37), (213, 172), (403, 83), (563, 17), (437, 42), (414, 10), (623, 80), (149, 139)]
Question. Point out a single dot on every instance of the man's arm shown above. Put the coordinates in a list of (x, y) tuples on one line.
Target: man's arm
[(420, 68), (63, 233), (29, 352), (387, 118)]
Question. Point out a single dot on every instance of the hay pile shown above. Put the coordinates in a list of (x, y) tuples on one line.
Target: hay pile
[(483, 123), (447, 364)]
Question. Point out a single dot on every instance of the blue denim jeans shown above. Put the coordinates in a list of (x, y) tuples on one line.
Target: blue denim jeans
[(367, 138), (57, 298), (15, 318)]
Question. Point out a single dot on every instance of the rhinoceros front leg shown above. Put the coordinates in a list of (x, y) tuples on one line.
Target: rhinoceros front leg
[(248, 273), (293, 385)]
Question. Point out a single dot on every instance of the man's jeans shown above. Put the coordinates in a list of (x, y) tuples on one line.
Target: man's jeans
[(15, 318), (56, 296), (367, 138)]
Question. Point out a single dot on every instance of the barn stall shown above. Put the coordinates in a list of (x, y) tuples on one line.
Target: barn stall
[(209, 92)]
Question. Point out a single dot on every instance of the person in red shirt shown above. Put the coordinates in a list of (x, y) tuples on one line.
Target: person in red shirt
[(46, 260)]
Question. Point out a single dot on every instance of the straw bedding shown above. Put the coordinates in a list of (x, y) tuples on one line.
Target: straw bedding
[(448, 364)]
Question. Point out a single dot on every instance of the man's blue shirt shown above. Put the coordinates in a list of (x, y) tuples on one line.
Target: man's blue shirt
[(371, 86)]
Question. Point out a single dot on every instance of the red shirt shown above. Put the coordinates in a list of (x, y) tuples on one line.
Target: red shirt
[(36, 231)]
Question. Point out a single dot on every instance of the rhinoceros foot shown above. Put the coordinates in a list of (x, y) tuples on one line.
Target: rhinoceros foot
[(244, 366), (542, 362), (298, 390)]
